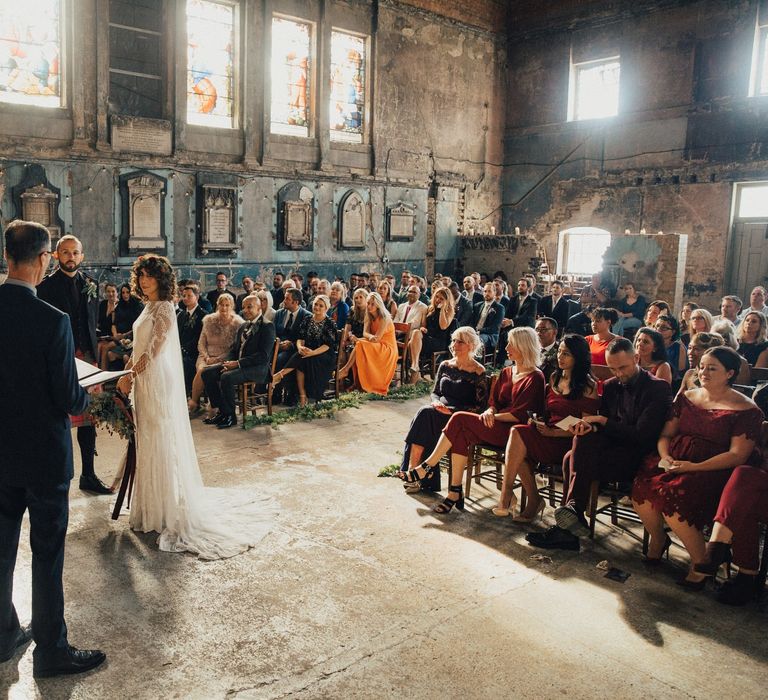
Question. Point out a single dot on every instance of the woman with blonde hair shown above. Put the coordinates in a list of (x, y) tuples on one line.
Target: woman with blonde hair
[(460, 385), (700, 321), (374, 357), (216, 339), (519, 389), (265, 298), (435, 334), (385, 290), (753, 344)]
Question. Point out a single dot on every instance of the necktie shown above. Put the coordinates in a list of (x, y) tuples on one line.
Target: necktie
[(289, 322), (407, 311)]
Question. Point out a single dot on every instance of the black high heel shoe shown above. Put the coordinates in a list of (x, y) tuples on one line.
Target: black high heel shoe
[(693, 586), (718, 553), (412, 475), (655, 561), (448, 503)]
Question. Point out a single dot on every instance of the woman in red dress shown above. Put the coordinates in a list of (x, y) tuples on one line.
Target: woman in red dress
[(602, 322), (519, 389), (571, 391), (712, 430)]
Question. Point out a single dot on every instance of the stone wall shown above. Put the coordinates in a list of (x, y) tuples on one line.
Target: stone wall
[(686, 130), (436, 112)]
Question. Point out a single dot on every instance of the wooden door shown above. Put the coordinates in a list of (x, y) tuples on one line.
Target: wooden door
[(748, 259)]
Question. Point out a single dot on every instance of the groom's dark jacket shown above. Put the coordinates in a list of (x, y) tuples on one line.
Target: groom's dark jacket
[(253, 348), (39, 390)]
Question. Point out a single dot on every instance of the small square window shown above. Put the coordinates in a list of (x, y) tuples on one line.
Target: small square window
[(594, 90), (752, 201)]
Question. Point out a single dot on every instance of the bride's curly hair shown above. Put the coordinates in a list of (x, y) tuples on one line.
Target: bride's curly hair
[(158, 267)]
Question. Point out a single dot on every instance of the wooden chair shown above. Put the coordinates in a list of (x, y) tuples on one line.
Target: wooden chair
[(333, 390), (252, 396), (758, 374), (403, 335)]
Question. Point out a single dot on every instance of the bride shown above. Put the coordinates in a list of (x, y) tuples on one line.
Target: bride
[(169, 496)]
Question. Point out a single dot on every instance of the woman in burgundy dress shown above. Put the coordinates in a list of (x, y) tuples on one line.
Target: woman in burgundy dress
[(571, 391), (712, 430), (518, 390)]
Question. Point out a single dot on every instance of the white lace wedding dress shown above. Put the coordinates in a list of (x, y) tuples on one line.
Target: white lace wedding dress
[(168, 495)]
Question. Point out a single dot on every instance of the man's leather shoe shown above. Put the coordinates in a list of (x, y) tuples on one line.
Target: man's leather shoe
[(94, 485), (23, 636), (554, 538), (74, 661), (214, 420), (569, 518), (228, 422)]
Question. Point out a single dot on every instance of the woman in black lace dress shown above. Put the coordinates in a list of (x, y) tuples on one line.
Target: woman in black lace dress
[(460, 385), (315, 357), (435, 334)]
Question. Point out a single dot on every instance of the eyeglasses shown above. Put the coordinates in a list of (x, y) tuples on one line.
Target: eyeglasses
[(663, 328)]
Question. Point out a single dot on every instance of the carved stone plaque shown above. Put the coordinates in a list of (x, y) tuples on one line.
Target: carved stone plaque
[(295, 219), (402, 221), (145, 212), (141, 135), (298, 217), (352, 221), (219, 216), (39, 204)]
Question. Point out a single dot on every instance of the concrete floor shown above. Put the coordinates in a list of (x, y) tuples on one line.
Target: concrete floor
[(360, 591)]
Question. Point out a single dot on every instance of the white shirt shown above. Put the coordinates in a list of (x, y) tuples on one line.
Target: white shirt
[(416, 313)]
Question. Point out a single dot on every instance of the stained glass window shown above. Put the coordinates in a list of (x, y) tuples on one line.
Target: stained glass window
[(347, 107), (30, 52), (291, 77), (210, 63)]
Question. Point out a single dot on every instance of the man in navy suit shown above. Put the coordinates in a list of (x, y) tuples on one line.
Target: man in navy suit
[(248, 361), (40, 391), (555, 305), (287, 322), (520, 311), (486, 318)]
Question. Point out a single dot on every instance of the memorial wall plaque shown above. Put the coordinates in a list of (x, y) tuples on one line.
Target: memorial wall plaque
[(219, 231), (141, 135), (402, 222), (352, 221), (145, 213), (295, 221), (39, 204), (297, 224)]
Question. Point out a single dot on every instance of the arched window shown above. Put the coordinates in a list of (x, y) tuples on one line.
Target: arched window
[(580, 250)]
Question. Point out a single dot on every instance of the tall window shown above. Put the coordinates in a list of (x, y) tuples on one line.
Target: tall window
[(30, 52), (594, 89), (347, 106), (581, 250), (758, 83), (210, 63), (291, 77)]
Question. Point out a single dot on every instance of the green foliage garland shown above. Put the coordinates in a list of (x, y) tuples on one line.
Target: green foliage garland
[(107, 413)]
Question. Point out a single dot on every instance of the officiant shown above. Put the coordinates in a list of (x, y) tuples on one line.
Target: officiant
[(39, 380), (77, 295)]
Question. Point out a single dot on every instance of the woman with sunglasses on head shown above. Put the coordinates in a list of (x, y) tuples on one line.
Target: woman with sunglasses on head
[(669, 329)]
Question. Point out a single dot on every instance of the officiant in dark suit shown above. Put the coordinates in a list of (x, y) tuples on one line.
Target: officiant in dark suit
[(40, 390), (249, 362), (190, 322), (71, 291)]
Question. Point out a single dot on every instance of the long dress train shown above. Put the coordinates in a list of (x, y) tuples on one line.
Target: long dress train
[(169, 496)]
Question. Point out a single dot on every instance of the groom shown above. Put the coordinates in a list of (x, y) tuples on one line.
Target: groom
[(70, 291), (40, 389)]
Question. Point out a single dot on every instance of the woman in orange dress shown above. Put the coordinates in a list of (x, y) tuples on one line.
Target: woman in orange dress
[(374, 357)]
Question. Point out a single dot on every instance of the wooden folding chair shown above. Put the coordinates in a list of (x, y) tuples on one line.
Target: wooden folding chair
[(403, 335), (250, 394)]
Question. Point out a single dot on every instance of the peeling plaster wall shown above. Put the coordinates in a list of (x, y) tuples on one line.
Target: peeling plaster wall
[(437, 114), (686, 130)]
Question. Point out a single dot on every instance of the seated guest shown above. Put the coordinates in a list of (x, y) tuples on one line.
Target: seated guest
[(571, 391), (610, 445), (712, 429), (685, 321), (652, 355), (355, 326), (727, 331), (434, 335), (736, 533), (676, 352), (374, 358), (520, 311), (385, 292), (460, 385), (201, 300), (601, 338), (756, 302), (104, 322), (221, 288), (546, 329), (596, 293), (216, 340), (190, 323), (278, 278), (267, 310), (700, 343), (315, 356), (655, 309), (555, 305), (402, 291), (248, 361), (248, 289), (462, 305), (519, 389), (339, 310), (580, 322), (487, 318), (499, 292), (630, 309), (699, 322), (288, 321), (127, 310), (730, 308), (753, 344), (412, 310), (471, 291)]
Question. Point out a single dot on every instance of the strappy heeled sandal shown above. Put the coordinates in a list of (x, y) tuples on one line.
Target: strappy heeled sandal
[(412, 475), (447, 505)]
